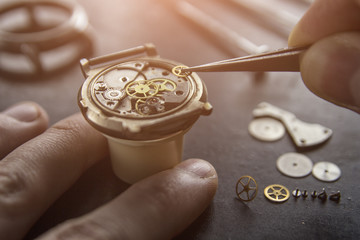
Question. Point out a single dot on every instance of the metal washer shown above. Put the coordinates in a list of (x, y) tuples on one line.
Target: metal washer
[(326, 171), (266, 129), (294, 165)]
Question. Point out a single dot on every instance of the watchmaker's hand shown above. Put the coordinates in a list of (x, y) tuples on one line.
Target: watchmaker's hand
[(331, 67), (38, 171), (19, 124)]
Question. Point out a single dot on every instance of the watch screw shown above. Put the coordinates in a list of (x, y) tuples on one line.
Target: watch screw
[(304, 194), (296, 193), (323, 195), (314, 194), (335, 197)]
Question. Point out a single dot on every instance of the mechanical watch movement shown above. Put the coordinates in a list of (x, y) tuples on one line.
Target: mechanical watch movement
[(143, 105)]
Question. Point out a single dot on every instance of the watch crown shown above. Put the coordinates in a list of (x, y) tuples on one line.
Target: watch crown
[(207, 108)]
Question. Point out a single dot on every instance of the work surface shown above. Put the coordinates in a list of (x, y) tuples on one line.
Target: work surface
[(221, 138)]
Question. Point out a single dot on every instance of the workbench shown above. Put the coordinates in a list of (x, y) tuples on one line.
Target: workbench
[(221, 138)]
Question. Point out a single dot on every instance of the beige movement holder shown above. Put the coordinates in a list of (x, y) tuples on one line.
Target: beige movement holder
[(135, 160)]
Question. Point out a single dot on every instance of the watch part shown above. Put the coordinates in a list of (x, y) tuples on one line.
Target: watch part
[(304, 194), (178, 71), (314, 194), (335, 197), (140, 98), (140, 89), (326, 171), (323, 195), (303, 134), (142, 108), (246, 188), (294, 165), (266, 129), (276, 193), (296, 193)]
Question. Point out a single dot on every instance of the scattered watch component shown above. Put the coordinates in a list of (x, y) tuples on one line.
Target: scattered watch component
[(303, 134), (296, 193), (326, 171), (304, 194), (276, 193), (142, 108), (335, 197), (246, 188), (178, 71), (323, 195), (42, 37), (314, 194), (266, 129), (294, 165)]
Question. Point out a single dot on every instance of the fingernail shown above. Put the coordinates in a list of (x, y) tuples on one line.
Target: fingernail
[(199, 167), (294, 36), (24, 112)]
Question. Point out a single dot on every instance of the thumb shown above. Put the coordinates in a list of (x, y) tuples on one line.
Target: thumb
[(331, 69)]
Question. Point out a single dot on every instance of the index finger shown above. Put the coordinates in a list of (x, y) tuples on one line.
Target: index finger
[(35, 174), (324, 18)]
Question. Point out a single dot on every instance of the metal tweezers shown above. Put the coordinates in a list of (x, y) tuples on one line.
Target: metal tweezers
[(282, 60)]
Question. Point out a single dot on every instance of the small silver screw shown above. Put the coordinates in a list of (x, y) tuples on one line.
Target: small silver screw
[(304, 194), (323, 195), (314, 194), (296, 193), (335, 197)]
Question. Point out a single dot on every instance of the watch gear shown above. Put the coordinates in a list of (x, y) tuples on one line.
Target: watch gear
[(276, 193), (246, 188)]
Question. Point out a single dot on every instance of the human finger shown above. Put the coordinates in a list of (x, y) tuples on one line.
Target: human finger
[(35, 174), (158, 207), (331, 69), (324, 18), (20, 123)]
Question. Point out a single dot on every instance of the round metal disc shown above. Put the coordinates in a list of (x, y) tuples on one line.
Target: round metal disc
[(276, 193), (266, 129), (326, 171), (294, 165)]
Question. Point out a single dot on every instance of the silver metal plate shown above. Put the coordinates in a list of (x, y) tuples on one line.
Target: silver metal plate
[(326, 171), (294, 165), (266, 129), (303, 134)]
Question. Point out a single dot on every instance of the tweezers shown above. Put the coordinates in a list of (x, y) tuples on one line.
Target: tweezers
[(282, 60)]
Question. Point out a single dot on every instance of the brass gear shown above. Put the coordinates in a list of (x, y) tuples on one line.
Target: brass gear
[(248, 187), (142, 89), (276, 193)]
